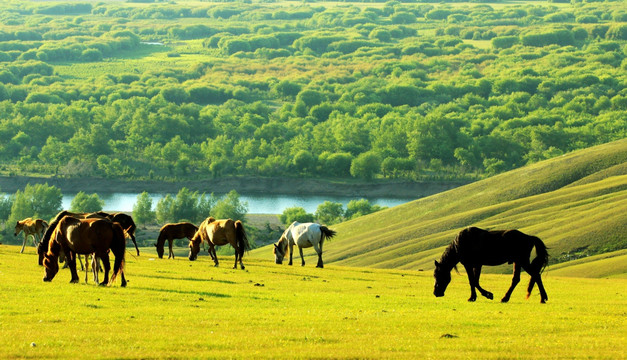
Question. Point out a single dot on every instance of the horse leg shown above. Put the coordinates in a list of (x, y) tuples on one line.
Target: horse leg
[(214, 255), (302, 258), (318, 249), (107, 266), (241, 255), (536, 278), (95, 267), (515, 281), (236, 254), (171, 253), (23, 243), (71, 262), (483, 292), (291, 246), (471, 280), (86, 267)]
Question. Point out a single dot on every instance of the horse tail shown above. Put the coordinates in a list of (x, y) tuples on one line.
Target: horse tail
[(542, 255), (327, 233), (118, 248), (242, 239)]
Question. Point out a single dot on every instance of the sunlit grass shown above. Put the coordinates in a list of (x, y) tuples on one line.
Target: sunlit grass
[(182, 309)]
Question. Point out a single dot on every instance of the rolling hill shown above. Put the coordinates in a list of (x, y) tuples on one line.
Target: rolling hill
[(576, 203)]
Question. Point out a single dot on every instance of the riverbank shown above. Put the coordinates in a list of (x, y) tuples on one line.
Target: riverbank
[(243, 185)]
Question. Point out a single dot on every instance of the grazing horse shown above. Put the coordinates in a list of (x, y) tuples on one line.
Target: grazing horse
[(30, 227), (304, 235), (220, 232), (174, 231), (474, 247), (86, 236), (124, 220)]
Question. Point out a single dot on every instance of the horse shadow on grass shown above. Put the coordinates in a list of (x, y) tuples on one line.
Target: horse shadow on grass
[(184, 292)]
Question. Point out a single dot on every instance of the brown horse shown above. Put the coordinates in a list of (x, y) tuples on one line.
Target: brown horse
[(220, 232), (475, 247), (174, 231), (127, 223), (124, 220), (86, 236), (30, 227)]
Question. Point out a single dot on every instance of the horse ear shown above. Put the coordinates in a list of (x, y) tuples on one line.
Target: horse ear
[(155, 245), (437, 264), (276, 246)]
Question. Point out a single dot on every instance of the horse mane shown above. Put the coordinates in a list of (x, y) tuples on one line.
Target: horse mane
[(450, 257)]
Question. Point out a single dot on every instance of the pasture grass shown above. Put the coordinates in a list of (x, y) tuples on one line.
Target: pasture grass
[(182, 309)]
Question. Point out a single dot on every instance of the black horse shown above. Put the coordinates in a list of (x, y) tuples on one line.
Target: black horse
[(475, 247)]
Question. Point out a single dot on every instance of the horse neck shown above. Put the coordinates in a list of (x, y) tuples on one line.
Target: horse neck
[(450, 258)]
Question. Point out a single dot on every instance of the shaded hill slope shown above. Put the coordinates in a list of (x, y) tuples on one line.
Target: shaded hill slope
[(576, 203)]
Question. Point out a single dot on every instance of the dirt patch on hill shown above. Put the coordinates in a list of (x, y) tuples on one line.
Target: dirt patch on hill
[(248, 186)]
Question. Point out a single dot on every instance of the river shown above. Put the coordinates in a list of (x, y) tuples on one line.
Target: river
[(257, 204)]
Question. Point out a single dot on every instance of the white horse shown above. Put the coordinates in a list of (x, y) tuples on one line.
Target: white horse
[(303, 235)]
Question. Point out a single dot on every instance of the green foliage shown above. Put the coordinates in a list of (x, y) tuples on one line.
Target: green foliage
[(292, 214), (361, 207), (142, 209), (154, 91), (230, 207), (83, 202), (35, 201), (185, 206), (329, 213)]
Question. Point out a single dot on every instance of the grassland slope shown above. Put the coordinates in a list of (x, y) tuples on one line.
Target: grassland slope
[(576, 203)]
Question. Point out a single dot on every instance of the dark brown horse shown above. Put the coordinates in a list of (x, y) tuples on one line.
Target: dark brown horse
[(86, 236), (170, 232), (220, 232), (124, 220), (474, 247), (127, 223)]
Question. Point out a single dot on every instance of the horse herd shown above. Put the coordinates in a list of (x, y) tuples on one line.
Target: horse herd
[(98, 234)]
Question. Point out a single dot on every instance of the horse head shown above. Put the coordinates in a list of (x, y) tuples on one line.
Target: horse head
[(160, 250), (50, 260), (442, 279), (280, 250), (18, 227), (194, 246)]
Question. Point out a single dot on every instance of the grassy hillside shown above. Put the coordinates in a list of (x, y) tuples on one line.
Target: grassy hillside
[(576, 203), (177, 309)]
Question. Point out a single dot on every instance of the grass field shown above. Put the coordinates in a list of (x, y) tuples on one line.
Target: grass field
[(182, 309)]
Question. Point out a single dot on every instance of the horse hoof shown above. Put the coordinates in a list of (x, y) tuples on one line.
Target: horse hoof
[(489, 296), (123, 284), (472, 299), (504, 300)]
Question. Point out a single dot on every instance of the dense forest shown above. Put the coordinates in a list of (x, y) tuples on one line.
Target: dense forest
[(189, 89)]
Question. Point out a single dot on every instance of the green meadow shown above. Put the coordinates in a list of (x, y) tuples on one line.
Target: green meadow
[(182, 309)]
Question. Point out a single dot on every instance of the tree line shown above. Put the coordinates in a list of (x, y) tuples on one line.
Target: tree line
[(45, 202)]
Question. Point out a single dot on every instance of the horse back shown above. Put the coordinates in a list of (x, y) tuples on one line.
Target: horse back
[(493, 247), (86, 236)]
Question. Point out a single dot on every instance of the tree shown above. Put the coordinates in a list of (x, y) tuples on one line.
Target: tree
[(86, 203), (357, 208), (292, 214), (36, 201), (329, 213), (164, 211), (366, 165), (230, 207), (142, 209)]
